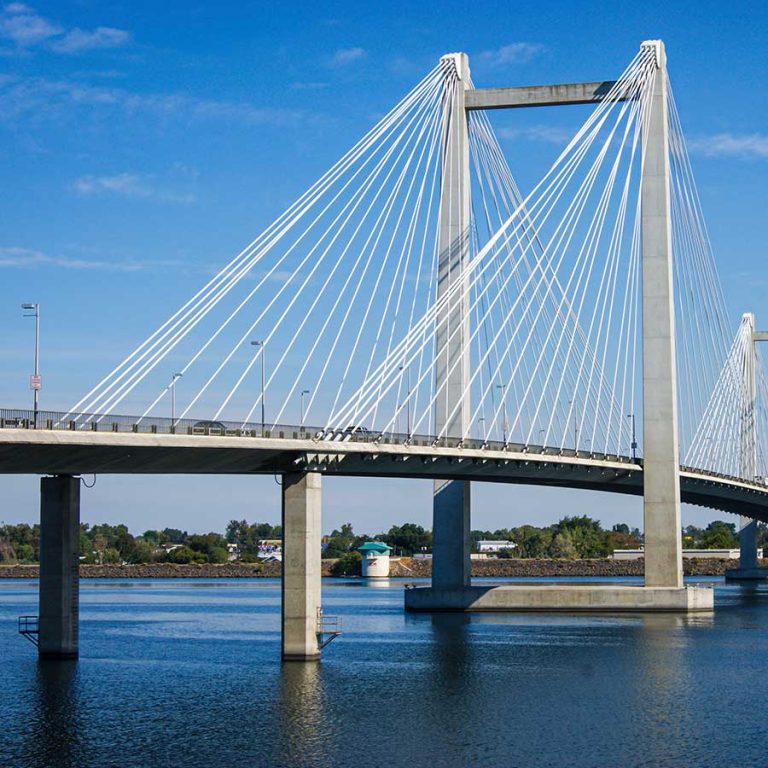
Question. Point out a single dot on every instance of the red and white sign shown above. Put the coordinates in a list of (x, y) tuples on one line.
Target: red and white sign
[(35, 382)]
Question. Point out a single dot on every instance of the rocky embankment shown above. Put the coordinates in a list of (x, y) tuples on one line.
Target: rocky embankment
[(404, 567)]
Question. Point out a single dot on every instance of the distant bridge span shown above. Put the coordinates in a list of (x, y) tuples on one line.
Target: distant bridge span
[(80, 452)]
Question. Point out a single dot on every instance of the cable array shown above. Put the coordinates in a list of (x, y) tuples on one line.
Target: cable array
[(732, 437), (333, 316)]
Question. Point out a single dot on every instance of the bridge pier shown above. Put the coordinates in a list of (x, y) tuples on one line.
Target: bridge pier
[(59, 567), (301, 586), (451, 544), (748, 569)]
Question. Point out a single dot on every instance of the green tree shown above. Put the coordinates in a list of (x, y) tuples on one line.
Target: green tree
[(349, 564), (408, 538), (143, 552), (531, 541), (719, 535), (586, 534), (562, 546)]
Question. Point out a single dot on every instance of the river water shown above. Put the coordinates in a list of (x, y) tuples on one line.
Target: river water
[(187, 673)]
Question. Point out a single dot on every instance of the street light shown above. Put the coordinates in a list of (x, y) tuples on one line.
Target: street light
[(260, 344), (35, 382), (481, 424), (408, 401), (172, 387), (634, 437), (303, 392), (503, 387), (575, 430)]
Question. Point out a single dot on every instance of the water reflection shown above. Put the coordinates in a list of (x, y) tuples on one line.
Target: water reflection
[(56, 731), (452, 650), (303, 714)]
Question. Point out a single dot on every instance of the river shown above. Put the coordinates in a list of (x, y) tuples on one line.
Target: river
[(187, 673)]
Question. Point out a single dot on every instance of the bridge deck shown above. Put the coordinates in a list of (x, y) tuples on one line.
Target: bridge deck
[(25, 451)]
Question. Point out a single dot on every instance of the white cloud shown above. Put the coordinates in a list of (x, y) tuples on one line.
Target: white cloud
[(754, 145), (131, 185), (78, 40), (26, 28), (36, 99), (513, 53), (26, 258), (545, 133), (20, 24), (345, 56), (308, 86)]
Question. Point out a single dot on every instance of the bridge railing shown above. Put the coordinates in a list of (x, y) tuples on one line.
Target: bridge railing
[(93, 422), (99, 422), (96, 422)]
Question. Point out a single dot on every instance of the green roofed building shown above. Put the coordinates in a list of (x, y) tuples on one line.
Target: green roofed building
[(375, 559)]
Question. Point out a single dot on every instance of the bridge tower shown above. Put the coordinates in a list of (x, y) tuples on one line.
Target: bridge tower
[(451, 500), (661, 455), (748, 569), (663, 589)]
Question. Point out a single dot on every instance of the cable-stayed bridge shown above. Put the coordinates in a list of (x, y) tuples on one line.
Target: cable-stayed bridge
[(432, 320)]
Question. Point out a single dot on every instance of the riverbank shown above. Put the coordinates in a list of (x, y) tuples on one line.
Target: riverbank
[(402, 568)]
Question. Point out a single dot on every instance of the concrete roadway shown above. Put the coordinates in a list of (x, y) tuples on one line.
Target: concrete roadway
[(24, 451)]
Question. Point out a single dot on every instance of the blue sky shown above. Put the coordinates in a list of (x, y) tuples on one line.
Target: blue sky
[(143, 144)]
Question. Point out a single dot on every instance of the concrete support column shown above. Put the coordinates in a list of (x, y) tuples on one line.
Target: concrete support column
[(748, 526), (59, 567), (451, 502), (661, 501), (301, 565), (451, 563)]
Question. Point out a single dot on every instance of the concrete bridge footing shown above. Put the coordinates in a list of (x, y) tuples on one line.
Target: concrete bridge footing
[(552, 598), (58, 619)]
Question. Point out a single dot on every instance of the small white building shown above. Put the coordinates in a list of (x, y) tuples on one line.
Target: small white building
[(375, 563), (721, 554), (484, 547)]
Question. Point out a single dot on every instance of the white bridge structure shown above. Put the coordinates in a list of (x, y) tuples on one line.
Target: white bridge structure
[(414, 314)]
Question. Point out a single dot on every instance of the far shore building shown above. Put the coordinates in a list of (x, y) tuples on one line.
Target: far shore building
[(493, 547), (375, 564), (719, 554)]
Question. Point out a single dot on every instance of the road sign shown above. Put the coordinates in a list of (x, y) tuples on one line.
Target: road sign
[(36, 382)]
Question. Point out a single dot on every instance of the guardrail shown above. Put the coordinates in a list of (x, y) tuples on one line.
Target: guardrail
[(29, 627), (100, 422), (96, 422), (328, 629)]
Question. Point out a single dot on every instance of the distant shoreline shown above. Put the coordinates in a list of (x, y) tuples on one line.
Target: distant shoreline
[(402, 568)]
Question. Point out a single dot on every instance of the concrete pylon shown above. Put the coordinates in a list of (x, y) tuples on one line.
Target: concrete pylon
[(661, 462), (301, 585), (748, 569), (58, 619), (451, 501)]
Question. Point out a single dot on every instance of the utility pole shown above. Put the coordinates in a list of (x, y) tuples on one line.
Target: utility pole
[(35, 383)]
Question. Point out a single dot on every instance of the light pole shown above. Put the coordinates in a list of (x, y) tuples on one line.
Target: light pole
[(260, 344), (575, 430), (172, 387), (481, 424), (408, 401), (35, 383), (634, 436), (503, 387), (303, 392)]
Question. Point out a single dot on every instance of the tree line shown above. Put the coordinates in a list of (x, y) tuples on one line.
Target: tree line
[(569, 538)]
